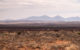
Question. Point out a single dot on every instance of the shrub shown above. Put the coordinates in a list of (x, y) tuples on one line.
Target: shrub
[(78, 33)]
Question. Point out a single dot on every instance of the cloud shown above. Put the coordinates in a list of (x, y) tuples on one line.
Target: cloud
[(24, 8)]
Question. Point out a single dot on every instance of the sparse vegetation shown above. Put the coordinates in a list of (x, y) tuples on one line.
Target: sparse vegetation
[(78, 33), (39, 40)]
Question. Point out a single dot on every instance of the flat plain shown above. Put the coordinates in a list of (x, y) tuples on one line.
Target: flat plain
[(48, 37)]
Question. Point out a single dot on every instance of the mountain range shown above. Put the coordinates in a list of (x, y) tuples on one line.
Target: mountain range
[(55, 18), (43, 18)]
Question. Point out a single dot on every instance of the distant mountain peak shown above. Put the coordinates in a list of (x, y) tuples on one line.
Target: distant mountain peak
[(55, 18), (58, 16), (44, 16)]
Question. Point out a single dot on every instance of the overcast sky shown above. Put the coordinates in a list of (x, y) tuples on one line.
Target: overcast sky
[(16, 9)]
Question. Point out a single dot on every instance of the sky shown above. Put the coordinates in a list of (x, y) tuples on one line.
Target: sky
[(18, 9)]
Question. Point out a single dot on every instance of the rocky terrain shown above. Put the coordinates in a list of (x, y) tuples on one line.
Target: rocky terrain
[(40, 40)]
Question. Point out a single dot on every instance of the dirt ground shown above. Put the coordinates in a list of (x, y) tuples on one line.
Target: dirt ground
[(40, 40)]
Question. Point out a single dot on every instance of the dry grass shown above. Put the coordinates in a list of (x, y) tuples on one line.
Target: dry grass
[(39, 40)]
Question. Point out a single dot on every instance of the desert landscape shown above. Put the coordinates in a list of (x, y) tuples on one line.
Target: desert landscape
[(45, 37), (39, 24)]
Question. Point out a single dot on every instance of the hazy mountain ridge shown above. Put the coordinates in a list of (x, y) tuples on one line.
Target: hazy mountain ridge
[(56, 18), (44, 18)]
